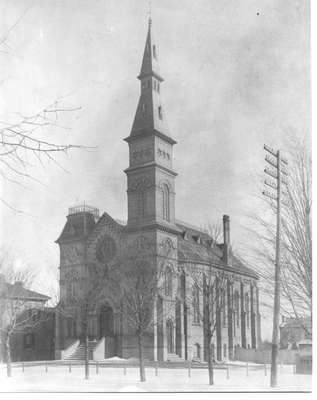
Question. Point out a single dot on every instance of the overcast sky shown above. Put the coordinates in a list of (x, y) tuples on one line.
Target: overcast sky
[(236, 76)]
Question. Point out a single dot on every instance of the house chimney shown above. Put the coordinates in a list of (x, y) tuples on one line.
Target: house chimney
[(226, 238)]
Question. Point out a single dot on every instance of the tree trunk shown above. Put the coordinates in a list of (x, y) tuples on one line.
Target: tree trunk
[(210, 360), (86, 356), (8, 356), (141, 357)]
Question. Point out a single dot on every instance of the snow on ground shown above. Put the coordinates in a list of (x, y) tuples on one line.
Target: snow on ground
[(58, 378)]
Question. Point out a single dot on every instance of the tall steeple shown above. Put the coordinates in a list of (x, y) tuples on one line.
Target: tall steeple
[(151, 178), (150, 114)]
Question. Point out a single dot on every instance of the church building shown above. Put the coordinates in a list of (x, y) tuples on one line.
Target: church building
[(151, 224)]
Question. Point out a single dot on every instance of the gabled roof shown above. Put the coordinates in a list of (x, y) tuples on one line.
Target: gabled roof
[(17, 291), (297, 322), (106, 220), (207, 251)]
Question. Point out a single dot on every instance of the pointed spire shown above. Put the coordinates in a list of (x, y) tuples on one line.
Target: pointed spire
[(150, 66), (150, 116)]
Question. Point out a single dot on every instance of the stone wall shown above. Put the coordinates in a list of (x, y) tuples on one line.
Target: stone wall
[(264, 356)]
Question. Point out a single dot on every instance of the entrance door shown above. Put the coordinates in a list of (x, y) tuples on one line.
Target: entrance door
[(106, 321), (170, 336)]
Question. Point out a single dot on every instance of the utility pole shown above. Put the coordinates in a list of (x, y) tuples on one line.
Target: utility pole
[(277, 174)]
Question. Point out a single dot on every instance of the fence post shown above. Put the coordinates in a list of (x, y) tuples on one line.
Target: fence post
[(97, 367), (70, 367), (189, 368), (45, 366), (265, 371), (156, 369), (125, 370), (247, 366), (228, 375)]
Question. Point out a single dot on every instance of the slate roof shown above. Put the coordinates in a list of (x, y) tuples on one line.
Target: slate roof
[(17, 291), (198, 247), (297, 323), (75, 226)]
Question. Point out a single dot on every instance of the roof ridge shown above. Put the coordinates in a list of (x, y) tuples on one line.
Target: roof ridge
[(190, 226)]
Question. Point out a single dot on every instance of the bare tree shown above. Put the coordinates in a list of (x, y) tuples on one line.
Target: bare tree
[(84, 296), (22, 144), (296, 240), (23, 140), (209, 285), (139, 283), (18, 311)]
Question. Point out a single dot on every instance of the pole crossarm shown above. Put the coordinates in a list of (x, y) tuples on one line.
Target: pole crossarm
[(271, 184), (272, 162), (270, 195), (284, 161), (284, 171), (273, 174), (270, 150), (284, 181), (274, 153)]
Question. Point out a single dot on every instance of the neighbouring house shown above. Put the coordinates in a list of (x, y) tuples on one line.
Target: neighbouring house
[(293, 331), (89, 239), (32, 323)]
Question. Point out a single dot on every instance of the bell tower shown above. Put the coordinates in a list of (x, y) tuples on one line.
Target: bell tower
[(151, 192), (150, 175)]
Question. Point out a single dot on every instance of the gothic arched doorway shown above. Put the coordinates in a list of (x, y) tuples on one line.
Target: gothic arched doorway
[(106, 322), (106, 329), (170, 336)]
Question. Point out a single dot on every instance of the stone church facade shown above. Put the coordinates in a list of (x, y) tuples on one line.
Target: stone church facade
[(152, 228)]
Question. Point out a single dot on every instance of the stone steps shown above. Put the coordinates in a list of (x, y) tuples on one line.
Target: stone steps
[(171, 357), (79, 353)]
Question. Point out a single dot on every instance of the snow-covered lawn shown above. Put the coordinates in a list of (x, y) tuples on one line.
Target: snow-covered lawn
[(58, 378)]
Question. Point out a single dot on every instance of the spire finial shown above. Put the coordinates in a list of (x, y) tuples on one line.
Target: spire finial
[(150, 14)]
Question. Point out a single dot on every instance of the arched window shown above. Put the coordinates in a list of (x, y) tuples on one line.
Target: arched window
[(212, 305), (141, 202), (197, 350), (154, 52), (247, 309), (168, 284), (196, 315), (160, 113), (166, 202), (237, 306), (29, 340), (225, 350), (71, 291), (224, 308), (143, 109), (170, 336), (234, 322)]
